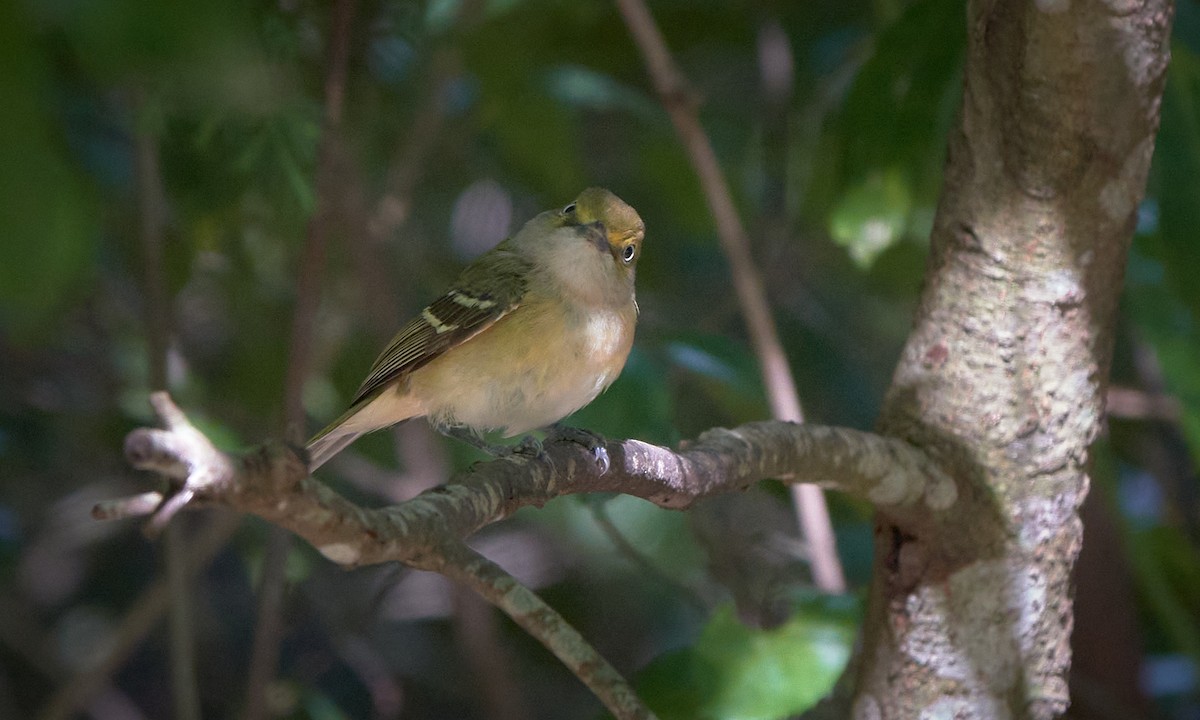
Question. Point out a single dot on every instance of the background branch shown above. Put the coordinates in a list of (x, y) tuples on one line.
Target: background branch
[(141, 618), (152, 210), (544, 623), (681, 104), (268, 630)]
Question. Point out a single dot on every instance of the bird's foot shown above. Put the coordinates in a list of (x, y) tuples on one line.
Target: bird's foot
[(474, 439), (595, 443), (529, 445)]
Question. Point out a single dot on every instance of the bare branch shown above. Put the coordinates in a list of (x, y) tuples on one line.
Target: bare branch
[(490, 662), (681, 105), (141, 618), (136, 506), (152, 207), (427, 531), (1133, 404), (544, 623), (273, 483), (268, 628)]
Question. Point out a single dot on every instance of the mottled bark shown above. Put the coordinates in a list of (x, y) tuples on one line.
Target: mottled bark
[(980, 467), (1002, 378), (273, 483), (426, 531)]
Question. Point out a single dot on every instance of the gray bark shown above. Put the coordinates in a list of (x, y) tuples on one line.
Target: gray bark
[(980, 465), (1002, 378)]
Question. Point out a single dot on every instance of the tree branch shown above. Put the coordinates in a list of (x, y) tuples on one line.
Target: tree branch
[(141, 618), (273, 483), (681, 105), (542, 622), (268, 630), (427, 531), (1004, 372), (152, 208)]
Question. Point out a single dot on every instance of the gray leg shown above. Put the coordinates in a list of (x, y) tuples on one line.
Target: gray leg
[(529, 445), (472, 438)]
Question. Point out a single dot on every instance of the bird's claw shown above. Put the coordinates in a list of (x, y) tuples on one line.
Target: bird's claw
[(595, 443)]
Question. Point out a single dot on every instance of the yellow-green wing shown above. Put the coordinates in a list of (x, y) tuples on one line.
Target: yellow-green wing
[(486, 291)]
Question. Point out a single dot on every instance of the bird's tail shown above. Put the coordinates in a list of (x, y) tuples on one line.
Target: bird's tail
[(367, 415), (328, 443)]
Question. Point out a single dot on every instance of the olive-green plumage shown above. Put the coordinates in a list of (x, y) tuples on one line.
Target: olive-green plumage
[(531, 331)]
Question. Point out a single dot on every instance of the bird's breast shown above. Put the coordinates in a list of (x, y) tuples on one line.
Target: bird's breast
[(540, 363)]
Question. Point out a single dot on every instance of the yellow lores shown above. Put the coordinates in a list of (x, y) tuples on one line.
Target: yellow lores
[(530, 332)]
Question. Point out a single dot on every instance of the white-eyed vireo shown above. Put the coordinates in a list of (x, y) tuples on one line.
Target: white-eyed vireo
[(530, 332)]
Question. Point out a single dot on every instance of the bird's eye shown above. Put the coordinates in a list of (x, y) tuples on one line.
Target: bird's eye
[(568, 209), (628, 253)]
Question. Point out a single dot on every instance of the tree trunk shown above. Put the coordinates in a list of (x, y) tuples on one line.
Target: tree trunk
[(1002, 378)]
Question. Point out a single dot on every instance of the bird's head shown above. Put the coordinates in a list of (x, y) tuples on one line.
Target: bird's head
[(619, 230)]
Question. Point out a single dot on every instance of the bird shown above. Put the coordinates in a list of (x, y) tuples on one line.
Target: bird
[(531, 331)]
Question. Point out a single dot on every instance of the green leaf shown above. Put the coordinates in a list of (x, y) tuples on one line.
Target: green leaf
[(1176, 167), (721, 374), (889, 137), (586, 88), (871, 216), (903, 98), (48, 217), (736, 672)]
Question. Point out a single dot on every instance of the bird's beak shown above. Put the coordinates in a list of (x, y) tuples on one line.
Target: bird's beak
[(598, 235)]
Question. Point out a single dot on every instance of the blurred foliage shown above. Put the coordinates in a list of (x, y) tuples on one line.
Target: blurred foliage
[(733, 671), (830, 121)]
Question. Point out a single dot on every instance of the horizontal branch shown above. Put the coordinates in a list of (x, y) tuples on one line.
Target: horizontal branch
[(273, 482)]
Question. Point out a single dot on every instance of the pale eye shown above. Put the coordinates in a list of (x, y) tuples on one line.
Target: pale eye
[(628, 253), (568, 209)]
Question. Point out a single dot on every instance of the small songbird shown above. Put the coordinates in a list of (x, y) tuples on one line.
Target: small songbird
[(531, 331)]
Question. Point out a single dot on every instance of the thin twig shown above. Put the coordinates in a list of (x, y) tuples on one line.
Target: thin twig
[(142, 617), (269, 622), (268, 631), (152, 226), (152, 210), (1134, 404), (422, 455), (312, 262), (411, 157), (680, 104), (544, 623), (420, 451), (476, 633)]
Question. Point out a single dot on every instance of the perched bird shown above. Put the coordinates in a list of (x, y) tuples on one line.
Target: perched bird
[(531, 331)]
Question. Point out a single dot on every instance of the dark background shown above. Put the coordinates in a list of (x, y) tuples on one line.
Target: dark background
[(461, 120)]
